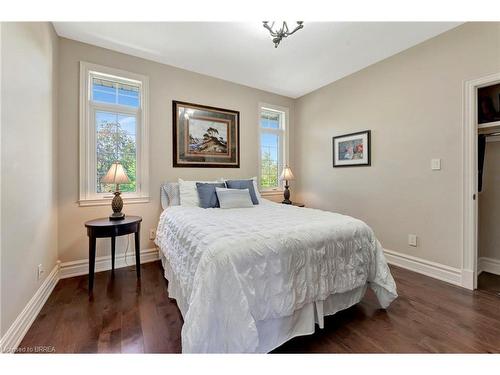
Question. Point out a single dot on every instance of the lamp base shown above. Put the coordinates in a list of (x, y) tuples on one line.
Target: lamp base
[(117, 205), (286, 195), (117, 216)]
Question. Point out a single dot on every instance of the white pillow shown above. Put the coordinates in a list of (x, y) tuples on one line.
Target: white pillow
[(234, 198), (189, 194)]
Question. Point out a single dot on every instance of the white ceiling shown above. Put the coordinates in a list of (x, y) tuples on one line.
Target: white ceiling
[(320, 53)]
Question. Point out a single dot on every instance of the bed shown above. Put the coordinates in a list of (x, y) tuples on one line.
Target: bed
[(246, 280)]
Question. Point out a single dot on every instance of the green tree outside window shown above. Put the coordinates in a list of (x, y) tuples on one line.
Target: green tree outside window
[(115, 144)]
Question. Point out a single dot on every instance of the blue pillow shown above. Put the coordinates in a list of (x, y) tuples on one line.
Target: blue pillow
[(207, 195), (244, 184)]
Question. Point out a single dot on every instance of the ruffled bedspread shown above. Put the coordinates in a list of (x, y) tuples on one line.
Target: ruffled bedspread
[(238, 266)]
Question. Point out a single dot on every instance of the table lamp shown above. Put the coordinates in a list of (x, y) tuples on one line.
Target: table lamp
[(116, 175), (286, 176)]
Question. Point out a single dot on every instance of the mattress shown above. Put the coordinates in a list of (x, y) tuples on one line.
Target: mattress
[(237, 270)]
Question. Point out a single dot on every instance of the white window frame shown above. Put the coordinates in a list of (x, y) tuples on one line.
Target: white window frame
[(283, 133), (88, 195)]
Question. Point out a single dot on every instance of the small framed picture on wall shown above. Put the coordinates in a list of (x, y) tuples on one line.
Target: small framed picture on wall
[(352, 150)]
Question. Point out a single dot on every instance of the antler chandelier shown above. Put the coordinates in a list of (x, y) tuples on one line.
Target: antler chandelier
[(281, 33)]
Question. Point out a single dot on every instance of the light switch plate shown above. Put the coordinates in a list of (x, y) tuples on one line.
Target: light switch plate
[(40, 271), (412, 240), (436, 164)]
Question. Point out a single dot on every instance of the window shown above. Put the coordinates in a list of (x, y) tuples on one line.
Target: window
[(113, 127), (273, 127)]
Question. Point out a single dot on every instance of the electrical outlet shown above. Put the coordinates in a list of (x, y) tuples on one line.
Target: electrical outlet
[(412, 240), (152, 234), (436, 164), (41, 271)]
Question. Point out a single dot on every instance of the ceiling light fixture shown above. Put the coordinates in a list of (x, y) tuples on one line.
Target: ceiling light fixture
[(279, 34)]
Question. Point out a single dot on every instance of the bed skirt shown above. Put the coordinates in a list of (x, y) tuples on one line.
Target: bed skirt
[(275, 332)]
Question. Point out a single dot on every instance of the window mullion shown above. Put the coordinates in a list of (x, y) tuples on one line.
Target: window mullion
[(115, 108)]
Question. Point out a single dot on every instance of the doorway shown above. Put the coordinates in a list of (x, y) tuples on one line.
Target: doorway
[(481, 202)]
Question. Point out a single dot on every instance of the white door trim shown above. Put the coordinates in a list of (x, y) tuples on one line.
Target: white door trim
[(469, 177)]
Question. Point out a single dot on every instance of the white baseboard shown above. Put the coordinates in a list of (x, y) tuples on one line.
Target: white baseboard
[(425, 267), (14, 335), (81, 267), (490, 265)]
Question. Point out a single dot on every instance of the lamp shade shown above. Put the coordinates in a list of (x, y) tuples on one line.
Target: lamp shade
[(116, 175), (287, 174)]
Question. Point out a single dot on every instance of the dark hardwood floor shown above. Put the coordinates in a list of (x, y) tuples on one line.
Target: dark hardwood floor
[(429, 316), (489, 282), (124, 316)]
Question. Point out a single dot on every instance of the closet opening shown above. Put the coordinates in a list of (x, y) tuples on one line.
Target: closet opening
[(481, 184), (488, 187)]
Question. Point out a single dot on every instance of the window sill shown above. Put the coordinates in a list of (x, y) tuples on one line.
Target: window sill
[(107, 201), (268, 193)]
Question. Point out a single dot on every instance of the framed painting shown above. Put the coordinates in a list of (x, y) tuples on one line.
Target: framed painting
[(205, 137), (352, 150)]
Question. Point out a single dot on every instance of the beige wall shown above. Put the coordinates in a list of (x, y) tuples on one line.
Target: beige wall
[(489, 204), (28, 169), (166, 84), (412, 102)]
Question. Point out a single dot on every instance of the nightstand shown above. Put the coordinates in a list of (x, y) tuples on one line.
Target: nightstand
[(100, 228)]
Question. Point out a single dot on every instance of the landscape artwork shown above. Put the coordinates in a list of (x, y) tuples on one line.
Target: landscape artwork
[(351, 150), (204, 136), (208, 137)]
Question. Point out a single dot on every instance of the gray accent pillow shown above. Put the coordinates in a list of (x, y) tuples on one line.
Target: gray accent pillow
[(244, 184), (170, 195), (234, 198), (207, 194)]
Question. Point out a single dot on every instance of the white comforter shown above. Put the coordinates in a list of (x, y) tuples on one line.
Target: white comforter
[(238, 266)]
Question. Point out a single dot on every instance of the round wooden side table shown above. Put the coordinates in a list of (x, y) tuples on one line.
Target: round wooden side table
[(103, 227)]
